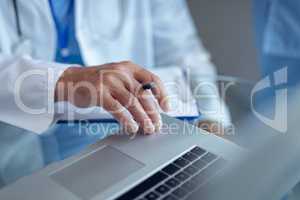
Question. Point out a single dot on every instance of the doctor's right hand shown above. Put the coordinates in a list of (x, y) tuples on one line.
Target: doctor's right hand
[(117, 87)]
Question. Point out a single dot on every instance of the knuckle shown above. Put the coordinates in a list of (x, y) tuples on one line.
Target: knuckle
[(133, 102), (144, 95), (109, 78), (155, 78), (129, 65), (115, 106), (120, 67), (126, 62), (115, 66), (131, 86)]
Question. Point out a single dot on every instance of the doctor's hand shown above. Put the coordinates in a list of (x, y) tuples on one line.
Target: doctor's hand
[(117, 87)]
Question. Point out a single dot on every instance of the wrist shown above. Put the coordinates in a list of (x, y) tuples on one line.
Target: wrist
[(61, 87)]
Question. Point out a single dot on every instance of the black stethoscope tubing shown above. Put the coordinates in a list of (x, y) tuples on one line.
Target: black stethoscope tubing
[(17, 17)]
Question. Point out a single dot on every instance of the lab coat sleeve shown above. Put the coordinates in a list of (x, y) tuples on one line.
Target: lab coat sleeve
[(177, 43), (27, 92)]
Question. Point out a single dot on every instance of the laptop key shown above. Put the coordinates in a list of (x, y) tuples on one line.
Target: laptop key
[(217, 165), (162, 189), (220, 163), (198, 151), (190, 156), (144, 186), (206, 174), (199, 164), (152, 196), (209, 172), (209, 157), (182, 176), (180, 193), (170, 169), (180, 162), (199, 179), (169, 197), (172, 183), (189, 185), (190, 170)]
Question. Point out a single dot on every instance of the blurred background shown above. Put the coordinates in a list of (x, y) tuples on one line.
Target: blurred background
[(226, 29)]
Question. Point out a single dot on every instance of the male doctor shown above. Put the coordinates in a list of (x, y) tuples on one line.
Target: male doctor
[(43, 43)]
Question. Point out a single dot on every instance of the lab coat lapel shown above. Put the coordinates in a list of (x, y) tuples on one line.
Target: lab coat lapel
[(38, 28)]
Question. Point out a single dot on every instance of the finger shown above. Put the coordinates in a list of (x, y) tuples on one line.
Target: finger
[(128, 81), (159, 91), (149, 104), (129, 101), (120, 114)]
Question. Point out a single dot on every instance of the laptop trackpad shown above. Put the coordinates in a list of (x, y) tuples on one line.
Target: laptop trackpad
[(96, 172)]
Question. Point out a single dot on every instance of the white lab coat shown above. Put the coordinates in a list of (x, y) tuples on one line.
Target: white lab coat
[(150, 33)]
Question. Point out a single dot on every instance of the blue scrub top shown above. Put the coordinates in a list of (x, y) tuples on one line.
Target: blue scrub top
[(67, 46)]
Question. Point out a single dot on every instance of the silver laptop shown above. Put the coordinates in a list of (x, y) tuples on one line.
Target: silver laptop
[(168, 165)]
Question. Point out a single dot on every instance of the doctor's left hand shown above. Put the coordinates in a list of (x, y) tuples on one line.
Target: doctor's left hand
[(117, 87)]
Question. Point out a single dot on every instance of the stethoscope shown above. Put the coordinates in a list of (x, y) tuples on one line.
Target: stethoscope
[(23, 45), (17, 17)]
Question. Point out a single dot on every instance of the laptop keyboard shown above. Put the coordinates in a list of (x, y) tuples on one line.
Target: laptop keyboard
[(178, 179)]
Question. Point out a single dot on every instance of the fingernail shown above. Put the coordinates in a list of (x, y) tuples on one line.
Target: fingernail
[(167, 106), (149, 128), (133, 126), (158, 125)]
